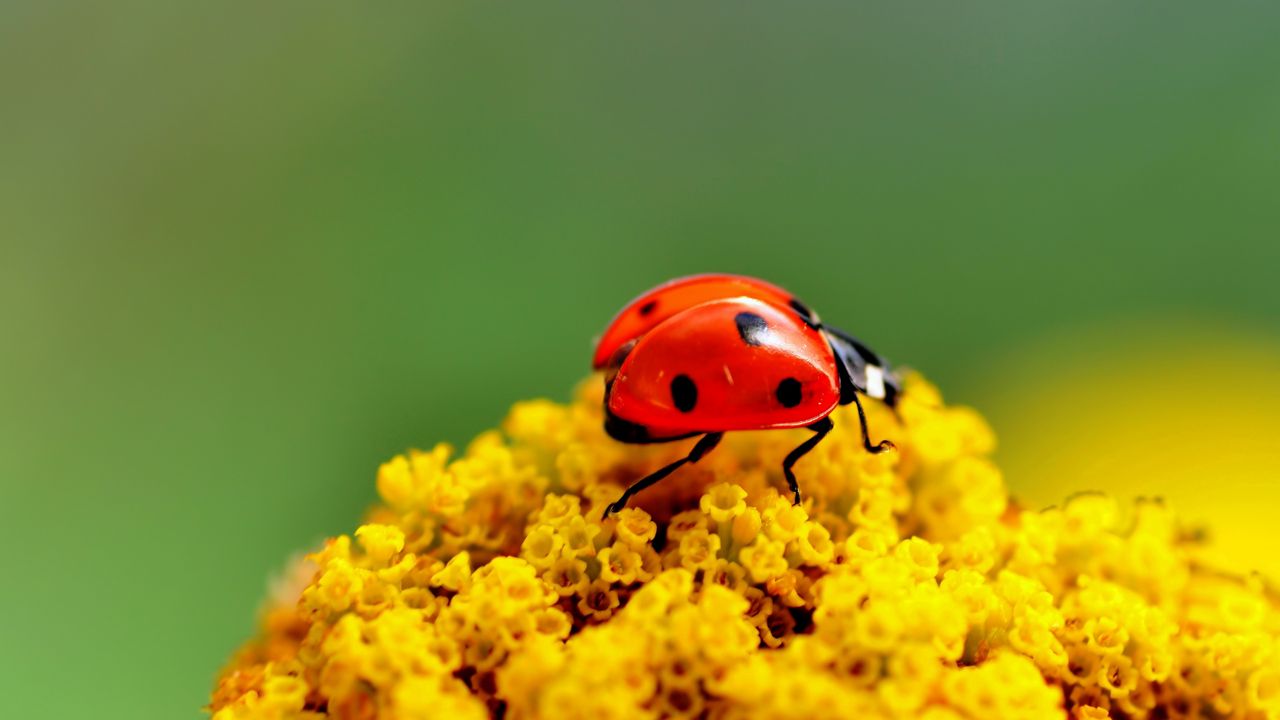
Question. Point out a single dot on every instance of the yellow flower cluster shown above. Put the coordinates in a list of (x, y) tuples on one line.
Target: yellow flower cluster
[(907, 585)]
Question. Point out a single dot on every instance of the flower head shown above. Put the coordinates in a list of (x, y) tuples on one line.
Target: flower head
[(907, 585)]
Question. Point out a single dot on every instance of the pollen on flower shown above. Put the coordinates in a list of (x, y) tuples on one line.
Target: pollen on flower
[(907, 585)]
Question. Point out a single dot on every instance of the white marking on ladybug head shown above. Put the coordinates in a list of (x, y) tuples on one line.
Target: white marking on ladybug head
[(875, 382)]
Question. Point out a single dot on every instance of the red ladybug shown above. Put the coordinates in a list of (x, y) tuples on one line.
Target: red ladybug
[(707, 354)]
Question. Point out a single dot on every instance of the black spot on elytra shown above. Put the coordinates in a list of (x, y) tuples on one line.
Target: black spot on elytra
[(804, 312), (751, 327), (788, 392), (648, 308), (684, 393)]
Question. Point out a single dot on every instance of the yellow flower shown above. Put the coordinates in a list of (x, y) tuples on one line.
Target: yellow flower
[(1263, 689), (423, 697), (651, 602), (698, 549), (285, 692), (791, 587), (542, 546), (559, 509), (635, 528), (974, 550), (729, 574), (763, 559), (339, 585), (421, 481), (579, 537), (1105, 636), (814, 542), (395, 481), (864, 545), (567, 576), (599, 600), (920, 556), (338, 548), (746, 526), (553, 622), (456, 575), (759, 605), (782, 520), (907, 586), (779, 627), (681, 699), (521, 679), (1117, 676), (380, 542), (723, 502), (620, 564), (685, 522), (1091, 712), (878, 627)]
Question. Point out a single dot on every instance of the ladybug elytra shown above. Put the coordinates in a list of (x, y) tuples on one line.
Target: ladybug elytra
[(708, 354)]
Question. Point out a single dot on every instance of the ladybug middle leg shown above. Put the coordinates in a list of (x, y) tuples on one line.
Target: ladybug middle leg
[(820, 428), (704, 446)]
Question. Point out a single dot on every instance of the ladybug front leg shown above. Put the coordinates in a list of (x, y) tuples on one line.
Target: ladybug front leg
[(704, 446), (866, 438), (821, 428)]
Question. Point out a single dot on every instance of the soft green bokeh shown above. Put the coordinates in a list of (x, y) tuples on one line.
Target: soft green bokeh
[(248, 253)]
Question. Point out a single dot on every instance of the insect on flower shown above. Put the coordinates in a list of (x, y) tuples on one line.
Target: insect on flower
[(708, 354)]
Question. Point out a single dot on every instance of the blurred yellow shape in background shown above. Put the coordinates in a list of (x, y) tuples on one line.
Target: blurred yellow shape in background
[(1155, 409)]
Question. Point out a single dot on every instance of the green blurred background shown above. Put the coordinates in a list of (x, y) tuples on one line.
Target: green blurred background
[(246, 254)]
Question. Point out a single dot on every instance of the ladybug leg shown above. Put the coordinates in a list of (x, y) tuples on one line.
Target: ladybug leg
[(866, 438), (704, 446), (820, 428)]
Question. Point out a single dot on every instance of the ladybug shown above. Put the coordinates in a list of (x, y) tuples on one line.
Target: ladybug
[(709, 354)]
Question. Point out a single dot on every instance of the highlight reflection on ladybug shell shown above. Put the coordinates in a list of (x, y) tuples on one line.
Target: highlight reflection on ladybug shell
[(671, 298), (732, 364)]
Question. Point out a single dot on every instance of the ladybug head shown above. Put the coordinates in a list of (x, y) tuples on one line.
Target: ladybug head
[(615, 362)]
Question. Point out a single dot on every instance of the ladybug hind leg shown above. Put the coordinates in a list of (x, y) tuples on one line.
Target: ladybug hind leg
[(703, 446)]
